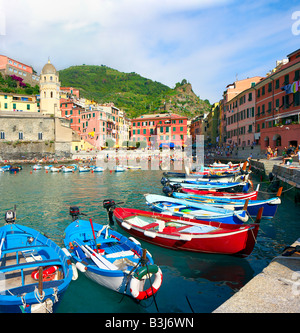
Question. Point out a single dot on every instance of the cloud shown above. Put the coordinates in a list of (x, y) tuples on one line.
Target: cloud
[(204, 41)]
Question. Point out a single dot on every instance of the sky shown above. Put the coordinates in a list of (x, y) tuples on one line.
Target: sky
[(210, 43)]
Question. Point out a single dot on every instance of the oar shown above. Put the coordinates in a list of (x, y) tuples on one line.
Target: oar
[(2, 240), (93, 257), (246, 204)]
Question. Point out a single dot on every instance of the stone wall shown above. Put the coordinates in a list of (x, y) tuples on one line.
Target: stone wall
[(26, 150)]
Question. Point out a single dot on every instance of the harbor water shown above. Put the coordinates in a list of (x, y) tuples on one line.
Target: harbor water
[(196, 283)]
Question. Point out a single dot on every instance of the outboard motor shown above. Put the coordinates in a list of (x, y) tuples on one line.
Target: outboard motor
[(74, 212), (164, 181), (167, 190), (10, 216), (109, 205), (176, 187)]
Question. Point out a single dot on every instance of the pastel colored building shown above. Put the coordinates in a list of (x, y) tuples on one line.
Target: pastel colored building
[(18, 103), (238, 98), (278, 105), (157, 129), (9, 66), (240, 116)]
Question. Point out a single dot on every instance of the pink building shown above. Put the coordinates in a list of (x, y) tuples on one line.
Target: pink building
[(93, 127)]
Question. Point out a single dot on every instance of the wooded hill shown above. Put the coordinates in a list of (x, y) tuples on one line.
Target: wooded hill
[(131, 92)]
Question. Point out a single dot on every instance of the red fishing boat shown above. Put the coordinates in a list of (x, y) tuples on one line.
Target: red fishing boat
[(180, 233)]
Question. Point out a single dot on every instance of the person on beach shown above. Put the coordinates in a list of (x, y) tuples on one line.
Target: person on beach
[(269, 152)]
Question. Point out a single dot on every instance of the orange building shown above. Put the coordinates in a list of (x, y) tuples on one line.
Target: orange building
[(278, 105)]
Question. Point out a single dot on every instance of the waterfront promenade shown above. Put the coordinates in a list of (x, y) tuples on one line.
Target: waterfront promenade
[(275, 290)]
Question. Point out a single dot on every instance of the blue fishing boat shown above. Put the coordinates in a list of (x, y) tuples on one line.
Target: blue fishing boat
[(111, 259), (270, 205), (97, 169), (5, 168), (35, 272), (193, 210), (231, 186), (119, 168), (15, 169)]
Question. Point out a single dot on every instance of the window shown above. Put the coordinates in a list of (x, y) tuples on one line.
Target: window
[(181, 129), (263, 90), (277, 84), (270, 107), (250, 97), (20, 135), (5, 106), (40, 136), (144, 131), (2, 135), (167, 129), (28, 106), (14, 106), (270, 87), (297, 75), (174, 129), (161, 130), (286, 79)]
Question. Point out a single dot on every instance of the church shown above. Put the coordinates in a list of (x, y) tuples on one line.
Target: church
[(39, 129)]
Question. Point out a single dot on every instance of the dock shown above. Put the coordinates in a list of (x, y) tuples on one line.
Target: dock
[(275, 290)]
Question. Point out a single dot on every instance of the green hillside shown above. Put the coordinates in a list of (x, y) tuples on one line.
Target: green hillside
[(131, 92)]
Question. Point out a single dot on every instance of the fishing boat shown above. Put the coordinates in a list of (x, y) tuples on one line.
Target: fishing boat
[(55, 169), (37, 167), (189, 209), (111, 259), (231, 186), (47, 167), (68, 169), (84, 168), (228, 165), (193, 180), (15, 168), (5, 168), (270, 205), (179, 233), (97, 169), (132, 167), (252, 195), (35, 271), (119, 168)]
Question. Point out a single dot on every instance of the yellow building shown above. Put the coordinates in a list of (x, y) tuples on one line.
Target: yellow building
[(18, 103)]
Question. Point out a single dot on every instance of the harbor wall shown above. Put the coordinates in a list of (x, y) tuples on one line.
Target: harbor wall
[(275, 290)]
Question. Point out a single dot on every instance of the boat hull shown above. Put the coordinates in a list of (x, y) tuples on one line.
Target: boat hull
[(23, 251), (119, 255), (233, 241), (270, 206)]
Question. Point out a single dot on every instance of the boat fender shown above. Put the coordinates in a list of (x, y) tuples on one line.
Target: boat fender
[(136, 283), (134, 240), (66, 252), (81, 267), (48, 273), (75, 272)]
